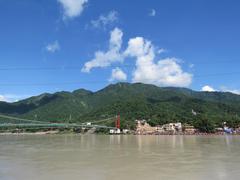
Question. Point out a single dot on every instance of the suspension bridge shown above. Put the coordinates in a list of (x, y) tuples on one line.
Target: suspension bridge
[(10, 122)]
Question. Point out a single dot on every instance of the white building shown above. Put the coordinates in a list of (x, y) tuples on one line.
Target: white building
[(125, 131), (173, 127), (112, 131), (115, 131)]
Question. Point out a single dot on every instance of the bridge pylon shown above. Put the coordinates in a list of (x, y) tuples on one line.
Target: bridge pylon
[(117, 122)]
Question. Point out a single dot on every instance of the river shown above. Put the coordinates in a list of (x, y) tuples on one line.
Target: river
[(103, 157)]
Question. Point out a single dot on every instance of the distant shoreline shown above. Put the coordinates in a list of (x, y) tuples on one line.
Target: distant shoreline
[(32, 133), (66, 133)]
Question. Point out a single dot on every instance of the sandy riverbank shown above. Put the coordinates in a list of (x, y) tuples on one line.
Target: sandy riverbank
[(31, 133)]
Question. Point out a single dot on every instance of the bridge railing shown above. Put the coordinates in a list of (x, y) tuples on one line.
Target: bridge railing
[(27, 123)]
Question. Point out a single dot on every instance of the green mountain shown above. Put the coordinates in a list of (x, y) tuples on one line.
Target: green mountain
[(132, 101)]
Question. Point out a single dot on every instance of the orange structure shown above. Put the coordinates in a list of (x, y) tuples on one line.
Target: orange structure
[(117, 122)]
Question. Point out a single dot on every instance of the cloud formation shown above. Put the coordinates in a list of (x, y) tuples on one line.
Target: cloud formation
[(104, 59), (12, 97), (152, 12), (118, 75), (104, 20), (164, 72), (2, 98), (161, 50), (53, 47), (234, 91), (72, 8), (208, 88)]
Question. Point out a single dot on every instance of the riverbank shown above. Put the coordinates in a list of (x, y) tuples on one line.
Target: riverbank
[(31, 133), (148, 134)]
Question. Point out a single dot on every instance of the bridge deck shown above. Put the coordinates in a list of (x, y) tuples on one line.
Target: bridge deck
[(27, 123), (53, 125)]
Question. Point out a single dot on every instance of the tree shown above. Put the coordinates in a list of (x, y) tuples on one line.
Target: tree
[(203, 124)]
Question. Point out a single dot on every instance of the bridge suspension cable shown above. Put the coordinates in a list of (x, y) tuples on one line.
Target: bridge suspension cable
[(21, 119), (103, 120), (44, 124)]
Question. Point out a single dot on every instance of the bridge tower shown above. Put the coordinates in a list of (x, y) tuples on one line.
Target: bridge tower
[(117, 122)]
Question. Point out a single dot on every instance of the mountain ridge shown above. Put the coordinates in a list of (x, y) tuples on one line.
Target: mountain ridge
[(132, 101)]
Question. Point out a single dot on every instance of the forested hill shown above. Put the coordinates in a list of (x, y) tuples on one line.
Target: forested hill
[(131, 101)]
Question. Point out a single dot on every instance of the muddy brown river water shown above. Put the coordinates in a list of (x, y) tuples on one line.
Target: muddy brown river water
[(104, 157)]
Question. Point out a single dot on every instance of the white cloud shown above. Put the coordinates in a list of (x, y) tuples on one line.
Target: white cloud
[(161, 50), (152, 12), (222, 89), (118, 74), (12, 97), (2, 98), (166, 72), (104, 20), (208, 88), (234, 91), (53, 47), (104, 59), (72, 8)]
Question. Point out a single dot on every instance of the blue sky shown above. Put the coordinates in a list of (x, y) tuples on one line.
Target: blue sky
[(49, 46)]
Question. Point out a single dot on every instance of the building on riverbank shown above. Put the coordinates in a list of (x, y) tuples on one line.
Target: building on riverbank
[(115, 131), (118, 131), (142, 127), (189, 129), (173, 127)]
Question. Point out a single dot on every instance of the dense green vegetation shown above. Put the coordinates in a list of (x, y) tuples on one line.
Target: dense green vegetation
[(132, 101)]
